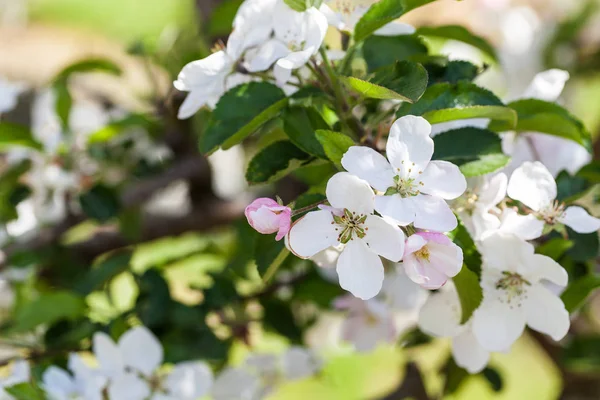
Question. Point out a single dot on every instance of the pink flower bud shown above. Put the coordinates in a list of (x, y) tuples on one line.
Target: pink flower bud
[(431, 258), (267, 216)]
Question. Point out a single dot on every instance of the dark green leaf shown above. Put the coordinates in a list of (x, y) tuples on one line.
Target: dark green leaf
[(590, 172), (220, 294), (455, 376), (300, 125), (240, 112), (382, 13), (274, 162), (335, 144), (586, 245), (69, 334), (570, 188), (154, 302), (494, 378), (578, 291), (269, 255), (183, 345), (469, 292), (47, 309), (381, 51), (582, 353), (476, 151), (279, 318), (306, 200), (26, 391), (550, 118), (554, 248), (243, 253), (413, 338), (100, 203), (104, 271), (451, 71), (9, 182), (471, 256), (221, 17), (315, 289), (459, 33), (90, 65), (16, 135)]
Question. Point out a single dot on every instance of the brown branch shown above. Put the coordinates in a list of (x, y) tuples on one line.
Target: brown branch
[(411, 387)]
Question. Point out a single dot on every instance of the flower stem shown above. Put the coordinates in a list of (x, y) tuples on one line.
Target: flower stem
[(307, 208)]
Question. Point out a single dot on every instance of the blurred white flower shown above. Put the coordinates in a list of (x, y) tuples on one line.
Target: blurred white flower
[(9, 94), (19, 373)]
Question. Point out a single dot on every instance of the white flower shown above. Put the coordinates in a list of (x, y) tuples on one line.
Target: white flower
[(533, 185), (236, 384), (344, 14), (9, 94), (84, 384), (20, 373), (526, 227), (367, 324), (415, 187), (365, 235), (440, 316), (514, 294), (400, 292), (430, 258), (555, 153), (186, 381), (296, 37)]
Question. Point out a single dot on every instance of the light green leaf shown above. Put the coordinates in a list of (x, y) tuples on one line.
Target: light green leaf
[(25, 391), (382, 13), (497, 113), (90, 65), (459, 33), (297, 5), (469, 292), (476, 151), (275, 161), (381, 51), (550, 118), (577, 292), (335, 144), (240, 112), (64, 102), (16, 135), (115, 128), (554, 248), (47, 309)]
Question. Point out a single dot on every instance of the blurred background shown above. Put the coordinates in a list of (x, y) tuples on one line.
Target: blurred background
[(173, 196)]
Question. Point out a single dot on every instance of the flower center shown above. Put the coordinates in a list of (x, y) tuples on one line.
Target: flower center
[(422, 253), (345, 7), (552, 212), (467, 202), (405, 187), (513, 285), (350, 224)]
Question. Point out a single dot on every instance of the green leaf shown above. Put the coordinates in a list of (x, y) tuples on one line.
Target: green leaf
[(577, 292), (9, 185), (550, 118), (269, 255), (25, 391), (335, 144), (590, 172), (240, 112), (382, 13), (476, 151), (104, 271), (471, 257), (115, 128), (445, 71), (446, 95), (586, 247), (494, 378), (278, 317), (300, 125), (459, 33), (297, 5), (153, 305), (90, 65), (64, 102), (497, 113), (469, 292), (570, 188), (16, 135), (274, 162), (100, 203), (404, 81), (47, 309), (221, 18), (554, 248), (381, 51)]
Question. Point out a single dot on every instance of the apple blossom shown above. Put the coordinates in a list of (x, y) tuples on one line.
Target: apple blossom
[(414, 188), (526, 227), (514, 294), (533, 185), (267, 216), (431, 258), (366, 236), (9, 94), (297, 36), (441, 316), (84, 384), (19, 373), (400, 292), (236, 384)]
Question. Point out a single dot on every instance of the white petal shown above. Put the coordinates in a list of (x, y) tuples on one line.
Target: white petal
[(497, 326), (401, 292), (443, 179), (360, 270), (559, 154), (395, 29), (312, 233), (532, 185), (546, 312), (128, 387), (266, 55), (446, 258), (414, 243), (547, 85), (527, 227), (58, 382), (505, 252), (369, 165), (108, 355), (441, 313), (141, 350), (409, 143), (189, 380), (432, 213), (193, 102), (468, 353), (366, 332), (200, 73), (384, 238), (538, 267), (345, 190), (235, 384), (422, 273), (333, 18), (316, 28), (299, 363), (401, 210), (579, 220), (284, 66), (494, 191)]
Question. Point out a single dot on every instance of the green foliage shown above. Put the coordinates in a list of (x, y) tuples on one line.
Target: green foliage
[(496, 113), (382, 13), (279, 318), (577, 292), (555, 248), (269, 255), (445, 71), (104, 271), (302, 5), (381, 51), (404, 81), (586, 247), (9, 183), (469, 292), (459, 33), (114, 129), (570, 188), (47, 309), (476, 151), (335, 144), (275, 161), (26, 391), (240, 112), (16, 135), (100, 203), (300, 125)]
